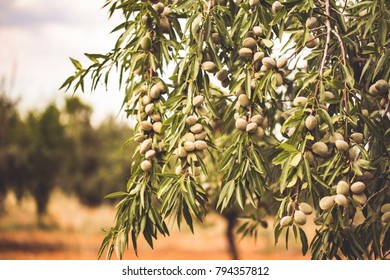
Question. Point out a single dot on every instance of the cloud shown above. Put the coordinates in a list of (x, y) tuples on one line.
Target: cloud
[(16, 15), (33, 14), (37, 38)]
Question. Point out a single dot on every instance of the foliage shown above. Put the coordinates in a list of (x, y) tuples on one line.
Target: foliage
[(44, 154), (98, 164), (31, 152), (9, 127), (59, 148), (288, 102)]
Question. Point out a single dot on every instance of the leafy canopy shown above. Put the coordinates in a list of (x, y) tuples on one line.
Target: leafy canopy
[(276, 109)]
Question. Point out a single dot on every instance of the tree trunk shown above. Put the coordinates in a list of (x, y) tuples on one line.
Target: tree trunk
[(231, 218), (41, 197)]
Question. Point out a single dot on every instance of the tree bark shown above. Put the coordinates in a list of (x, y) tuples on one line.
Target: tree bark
[(231, 223)]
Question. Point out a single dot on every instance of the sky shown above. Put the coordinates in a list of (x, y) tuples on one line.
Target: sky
[(37, 37)]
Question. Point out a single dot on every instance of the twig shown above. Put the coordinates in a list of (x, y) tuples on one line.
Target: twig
[(374, 194), (345, 97), (345, 7), (301, 47), (209, 5), (387, 109), (328, 31), (296, 198), (360, 59)]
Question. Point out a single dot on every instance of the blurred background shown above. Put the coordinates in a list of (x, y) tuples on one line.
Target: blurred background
[(61, 153)]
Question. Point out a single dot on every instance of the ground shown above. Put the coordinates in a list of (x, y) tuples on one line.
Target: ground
[(73, 232)]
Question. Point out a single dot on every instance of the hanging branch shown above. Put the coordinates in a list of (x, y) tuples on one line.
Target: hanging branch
[(345, 93), (328, 31)]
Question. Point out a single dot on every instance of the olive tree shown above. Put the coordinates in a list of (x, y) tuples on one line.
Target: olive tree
[(265, 108), (9, 155)]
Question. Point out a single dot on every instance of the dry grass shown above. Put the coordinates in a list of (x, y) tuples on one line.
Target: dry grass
[(73, 231)]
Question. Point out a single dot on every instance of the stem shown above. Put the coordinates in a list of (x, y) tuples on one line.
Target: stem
[(375, 194), (296, 199), (328, 31), (209, 5), (345, 93)]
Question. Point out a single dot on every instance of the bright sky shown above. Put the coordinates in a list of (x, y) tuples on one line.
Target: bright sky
[(37, 37)]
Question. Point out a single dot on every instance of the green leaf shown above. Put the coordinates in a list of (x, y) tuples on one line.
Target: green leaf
[(281, 158), (67, 82), (239, 198), (296, 160), (196, 24), (365, 164), (226, 194), (307, 172), (92, 58), (304, 241), (382, 30), (116, 195), (283, 177), (288, 148), (311, 78), (207, 27), (324, 114), (236, 85), (268, 43), (366, 66), (380, 63), (248, 80), (320, 181), (76, 63), (349, 76)]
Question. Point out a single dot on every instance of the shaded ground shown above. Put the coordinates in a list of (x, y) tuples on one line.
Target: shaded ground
[(73, 232)]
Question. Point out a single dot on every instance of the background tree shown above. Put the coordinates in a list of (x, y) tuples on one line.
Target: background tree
[(114, 164), (59, 148), (9, 153), (32, 152), (98, 164), (45, 154), (287, 101)]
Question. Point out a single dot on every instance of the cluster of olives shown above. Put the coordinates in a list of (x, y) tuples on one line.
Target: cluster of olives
[(150, 125), (311, 41), (193, 145), (252, 125), (163, 11), (299, 215), (385, 210), (349, 147), (343, 189), (149, 93), (261, 62), (222, 75), (321, 149), (380, 89)]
